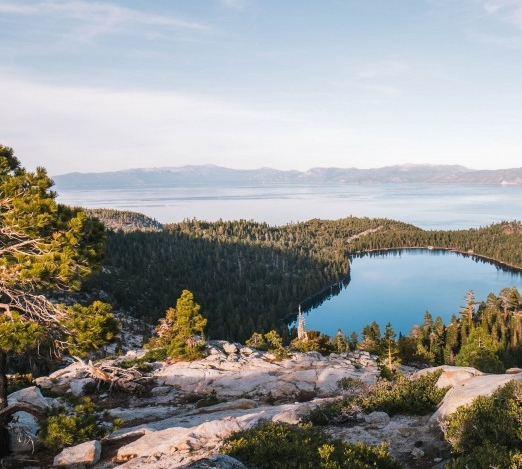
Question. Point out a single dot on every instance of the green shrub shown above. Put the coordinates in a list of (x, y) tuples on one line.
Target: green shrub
[(84, 423), (155, 355), (179, 348), (211, 399), (282, 446), (352, 386), (403, 395), (139, 364), (339, 412), (493, 420), (275, 345), (315, 342), (257, 341), (143, 363), (488, 456)]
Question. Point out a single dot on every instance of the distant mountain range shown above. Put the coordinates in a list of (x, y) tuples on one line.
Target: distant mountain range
[(211, 175)]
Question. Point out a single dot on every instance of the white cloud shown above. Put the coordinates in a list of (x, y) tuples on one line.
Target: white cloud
[(17, 9), (92, 19), (509, 11), (508, 42), (84, 129)]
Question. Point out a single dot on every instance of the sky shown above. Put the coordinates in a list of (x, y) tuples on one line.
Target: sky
[(95, 86)]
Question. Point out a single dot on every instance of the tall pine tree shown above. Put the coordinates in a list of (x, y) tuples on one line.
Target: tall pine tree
[(45, 248)]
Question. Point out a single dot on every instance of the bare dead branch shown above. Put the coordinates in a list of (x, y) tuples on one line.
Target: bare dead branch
[(34, 307), (7, 413), (129, 380)]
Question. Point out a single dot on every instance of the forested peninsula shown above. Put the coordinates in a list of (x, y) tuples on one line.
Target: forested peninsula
[(252, 277)]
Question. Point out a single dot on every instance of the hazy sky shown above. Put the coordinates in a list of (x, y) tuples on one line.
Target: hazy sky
[(102, 85)]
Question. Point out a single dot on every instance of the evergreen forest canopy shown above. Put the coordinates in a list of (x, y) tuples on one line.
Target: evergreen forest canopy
[(251, 277)]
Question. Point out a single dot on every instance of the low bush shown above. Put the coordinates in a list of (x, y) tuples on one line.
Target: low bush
[(143, 363), (315, 342), (282, 446), (62, 428), (209, 400), (401, 395), (491, 423), (343, 411), (139, 364), (488, 456), (352, 386)]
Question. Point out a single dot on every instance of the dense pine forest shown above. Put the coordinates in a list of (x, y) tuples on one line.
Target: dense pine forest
[(251, 277)]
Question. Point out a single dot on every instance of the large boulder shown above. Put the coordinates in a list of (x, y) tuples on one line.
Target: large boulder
[(59, 381), (464, 391), (24, 426), (87, 453), (465, 383), (192, 434)]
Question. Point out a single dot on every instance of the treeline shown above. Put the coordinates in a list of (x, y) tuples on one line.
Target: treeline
[(251, 277), (499, 242), (246, 276), (486, 335)]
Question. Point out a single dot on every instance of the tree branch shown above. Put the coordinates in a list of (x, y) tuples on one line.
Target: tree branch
[(7, 413)]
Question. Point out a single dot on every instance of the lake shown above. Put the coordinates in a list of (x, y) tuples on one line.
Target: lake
[(398, 287), (428, 206)]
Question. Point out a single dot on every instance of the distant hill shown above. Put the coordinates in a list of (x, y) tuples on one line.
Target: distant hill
[(124, 220), (211, 175)]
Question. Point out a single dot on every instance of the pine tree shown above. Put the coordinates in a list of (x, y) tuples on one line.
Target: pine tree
[(371, 338), (480, 353), (181, 331), (389, 352), (45, 248), (340, 342)]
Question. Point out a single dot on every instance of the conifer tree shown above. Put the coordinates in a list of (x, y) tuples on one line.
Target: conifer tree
[(340, 342), (480, 352), (389, 352), (181, 331), (371, 338), (45, 248)]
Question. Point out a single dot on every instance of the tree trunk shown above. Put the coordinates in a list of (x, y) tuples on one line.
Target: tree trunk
[(3, 380), (4, 434)]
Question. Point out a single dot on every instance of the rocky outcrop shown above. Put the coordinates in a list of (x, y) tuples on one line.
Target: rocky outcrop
[(175, 426), (465, 385), (233, 372)]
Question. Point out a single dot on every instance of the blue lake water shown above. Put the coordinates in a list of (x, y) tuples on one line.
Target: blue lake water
[(396, 288), (400, 286)]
